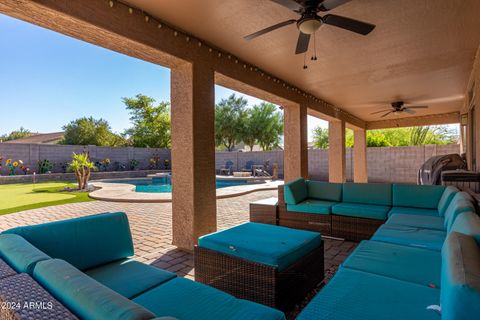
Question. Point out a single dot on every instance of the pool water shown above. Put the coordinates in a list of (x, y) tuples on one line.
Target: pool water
[(164, 184)]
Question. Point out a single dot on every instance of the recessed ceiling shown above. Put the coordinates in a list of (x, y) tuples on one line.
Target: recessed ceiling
[(421, 51)]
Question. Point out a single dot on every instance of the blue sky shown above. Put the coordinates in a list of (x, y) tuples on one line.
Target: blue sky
[(48, 79)]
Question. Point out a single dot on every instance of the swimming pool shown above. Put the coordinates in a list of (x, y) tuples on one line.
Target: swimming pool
[(164, 184)]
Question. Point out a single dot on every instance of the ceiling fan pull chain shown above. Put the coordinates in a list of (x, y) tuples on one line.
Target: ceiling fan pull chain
[(314, 57), (305, 61)]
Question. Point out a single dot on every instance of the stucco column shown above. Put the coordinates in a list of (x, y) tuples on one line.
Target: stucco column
[(295, 161), (336, 151), (193, 154), (360, 156)]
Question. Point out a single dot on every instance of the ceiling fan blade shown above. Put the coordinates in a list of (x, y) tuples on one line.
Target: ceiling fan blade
[(417, 107), (302, 43), (407, 110), (271, 28), (331, 4), (353, 25), (290, 4), (386, 114), (380, 111)]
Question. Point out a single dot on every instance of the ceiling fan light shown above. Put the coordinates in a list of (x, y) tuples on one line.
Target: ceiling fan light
[(309, 26)]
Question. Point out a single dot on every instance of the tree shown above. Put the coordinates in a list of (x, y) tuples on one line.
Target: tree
[(17, 134), (90, 131), (151, 123), (82, 166), (230, 119), (320, 138), (266, 123)]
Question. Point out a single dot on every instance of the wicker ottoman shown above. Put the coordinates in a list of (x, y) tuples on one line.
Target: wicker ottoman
[(271, 265), (264, 211), (23, 298), (6, 270)]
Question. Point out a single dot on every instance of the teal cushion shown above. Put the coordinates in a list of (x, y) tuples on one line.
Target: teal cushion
[(417, 196), (358, 295), (397, 261), (324, 190), (420, 221), (295, 191), (84, 242), (415, 211), (410, 236), (447, 196), (129, 277), (312, 206), (460, 297), (361, 210), (84, 296), (186, 299), (19, 253), (468, 223), (368, 193), (461, 202), (271, 245)]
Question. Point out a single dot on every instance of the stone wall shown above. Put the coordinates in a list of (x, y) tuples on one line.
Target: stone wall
[(395, 164)]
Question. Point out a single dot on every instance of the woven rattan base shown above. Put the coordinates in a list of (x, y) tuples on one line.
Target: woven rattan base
[(305, 221), (257, 282), (354, 228), (6, 270), (22, 298)]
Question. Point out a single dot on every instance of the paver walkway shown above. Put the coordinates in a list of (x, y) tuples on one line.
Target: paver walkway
[(151, 225)]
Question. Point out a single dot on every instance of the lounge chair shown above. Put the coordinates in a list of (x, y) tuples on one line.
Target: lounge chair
[(248, 166), (227, 168)]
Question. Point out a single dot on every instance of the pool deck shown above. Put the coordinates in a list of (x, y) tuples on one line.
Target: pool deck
[(124, 192)]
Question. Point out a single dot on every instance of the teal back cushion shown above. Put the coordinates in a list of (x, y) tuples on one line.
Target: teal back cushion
[(19, 253), (411, 195), (445, 200), (369, 193), (324, 190), (295, 191), (460, 293), (461, 202), (84, 242), (84, 296), (468, 223)]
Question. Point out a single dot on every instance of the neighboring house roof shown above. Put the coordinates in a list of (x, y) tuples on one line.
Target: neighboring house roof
[(40, 138)]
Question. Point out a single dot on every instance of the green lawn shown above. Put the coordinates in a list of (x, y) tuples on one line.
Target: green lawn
[(19, 197)]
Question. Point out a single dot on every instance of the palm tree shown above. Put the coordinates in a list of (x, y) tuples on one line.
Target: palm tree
[(82, 166)]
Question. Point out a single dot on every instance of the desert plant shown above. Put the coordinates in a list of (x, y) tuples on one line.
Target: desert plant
[(82, 166), (133, 164), (44, 166)]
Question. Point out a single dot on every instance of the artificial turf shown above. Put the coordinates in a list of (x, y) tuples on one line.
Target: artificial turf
[(20, 197)]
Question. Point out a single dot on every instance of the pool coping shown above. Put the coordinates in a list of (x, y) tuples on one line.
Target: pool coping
[(124, 192)]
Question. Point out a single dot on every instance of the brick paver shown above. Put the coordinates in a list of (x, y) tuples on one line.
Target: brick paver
[(151, 226)]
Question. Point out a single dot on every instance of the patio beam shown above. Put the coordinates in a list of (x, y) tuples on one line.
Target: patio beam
[(112, 25), (360, 174), (193, 154), (295, 161), (434, 119), (336, 151)]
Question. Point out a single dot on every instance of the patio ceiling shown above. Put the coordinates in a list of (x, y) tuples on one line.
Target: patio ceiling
[(421, 51)]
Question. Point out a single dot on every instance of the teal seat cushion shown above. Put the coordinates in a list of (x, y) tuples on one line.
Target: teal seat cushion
[(357, 295), (446, 198), (186, 299), (84, 242), (460, 297), (312, 206), (271, 245), (461, 202), (468, 223), (359, 210), (420, 221), (129, 277), (368, 193), (327, 191), (400, 262), (19, 253), (410, 236), (417, 196), (414, 211), (84, 296), (295, 191)]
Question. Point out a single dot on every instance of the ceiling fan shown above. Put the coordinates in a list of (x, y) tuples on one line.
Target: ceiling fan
[(310, 21), (399, 107)]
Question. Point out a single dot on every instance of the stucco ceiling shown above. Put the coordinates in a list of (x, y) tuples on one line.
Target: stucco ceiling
[(421, 51)]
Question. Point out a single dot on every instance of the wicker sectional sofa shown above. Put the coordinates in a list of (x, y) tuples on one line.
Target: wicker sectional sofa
[(84, 264)]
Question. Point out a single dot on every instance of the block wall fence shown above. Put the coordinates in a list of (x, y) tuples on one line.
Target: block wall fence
[(389, 164)]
